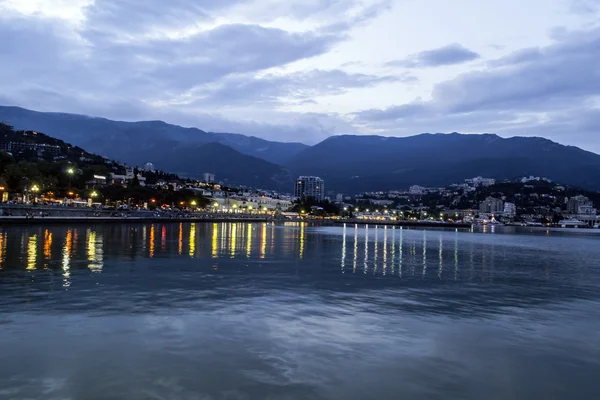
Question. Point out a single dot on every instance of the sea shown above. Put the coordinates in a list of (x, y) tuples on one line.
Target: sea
[(297, 311)]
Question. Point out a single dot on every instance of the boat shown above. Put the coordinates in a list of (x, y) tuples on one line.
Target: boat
[(571, 223)]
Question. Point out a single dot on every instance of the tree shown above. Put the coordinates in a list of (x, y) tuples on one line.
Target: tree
[(21, 174), (5, 160)]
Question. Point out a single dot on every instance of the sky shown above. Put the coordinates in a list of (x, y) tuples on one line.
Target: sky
[(303, 70)]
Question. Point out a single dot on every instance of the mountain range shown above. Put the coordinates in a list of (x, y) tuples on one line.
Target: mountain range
[(348, 163)]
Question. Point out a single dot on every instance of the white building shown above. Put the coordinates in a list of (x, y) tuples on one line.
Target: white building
[(480, 181), (149, 167), (416, 189), (587, 209), (510, 209), (250, 204), (491, 206), (208, 177)]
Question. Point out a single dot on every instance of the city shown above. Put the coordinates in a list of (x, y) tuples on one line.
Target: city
[(44, 176)]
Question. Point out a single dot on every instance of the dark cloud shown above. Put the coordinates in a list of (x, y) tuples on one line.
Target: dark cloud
[(550, 91), (447, 55), (298, 87)]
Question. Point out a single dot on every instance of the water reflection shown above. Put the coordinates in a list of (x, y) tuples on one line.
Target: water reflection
[(2, 248), (374, 250), (192, 239), (66, 258), (32, 252), (47, 246), (95, 250)]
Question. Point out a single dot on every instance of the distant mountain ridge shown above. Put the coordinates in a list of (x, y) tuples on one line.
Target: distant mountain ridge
[(354, 164), (115, 139), (348, 163)]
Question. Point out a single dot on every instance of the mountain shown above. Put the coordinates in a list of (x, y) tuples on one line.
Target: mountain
[(230, 165), (150, 139), (352, 164), (348, 163)]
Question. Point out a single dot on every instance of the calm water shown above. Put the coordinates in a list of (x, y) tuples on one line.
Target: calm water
[(260, 311)]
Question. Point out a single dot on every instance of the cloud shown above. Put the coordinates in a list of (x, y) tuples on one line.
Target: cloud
[(129, 59), (585, 7), (551, 91), (447, 55), (296, 87)]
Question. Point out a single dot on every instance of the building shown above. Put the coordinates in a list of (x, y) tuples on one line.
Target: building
[(417, 190), (574, 203), (17, 147), (510, 209), (480, 181), (208, 177), (587, 209), (491, 206), (149, 167), (310, 186)]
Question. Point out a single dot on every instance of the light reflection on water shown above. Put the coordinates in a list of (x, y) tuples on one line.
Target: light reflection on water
[(294, 311)]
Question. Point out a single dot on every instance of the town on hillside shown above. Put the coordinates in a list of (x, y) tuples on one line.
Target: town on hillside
[(39, 171)]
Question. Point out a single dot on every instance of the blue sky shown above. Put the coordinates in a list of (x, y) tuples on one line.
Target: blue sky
[(302, 70)]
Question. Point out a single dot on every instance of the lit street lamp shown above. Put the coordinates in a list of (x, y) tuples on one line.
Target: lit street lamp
[(70, 173)]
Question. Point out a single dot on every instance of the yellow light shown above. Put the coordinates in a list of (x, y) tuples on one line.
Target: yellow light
[(35, 188), (194, 202), (70, 171), (94, 194)]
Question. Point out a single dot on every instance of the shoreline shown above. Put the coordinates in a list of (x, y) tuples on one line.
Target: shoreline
[(36, 220), (416, 224), (22, 220)]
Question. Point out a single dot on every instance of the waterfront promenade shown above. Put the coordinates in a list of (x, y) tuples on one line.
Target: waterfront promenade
[(24, 214)]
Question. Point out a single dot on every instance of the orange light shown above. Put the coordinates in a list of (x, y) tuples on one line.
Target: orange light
[(71, 193), (182, 203), (153, 201)]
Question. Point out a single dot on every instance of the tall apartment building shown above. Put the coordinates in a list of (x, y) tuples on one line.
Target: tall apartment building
[(574, 203), (310, 186), (491, 205), (208, 177)]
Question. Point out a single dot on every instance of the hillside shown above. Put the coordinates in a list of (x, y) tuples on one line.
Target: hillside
[(352, 164), (230, 166), (150, 139)]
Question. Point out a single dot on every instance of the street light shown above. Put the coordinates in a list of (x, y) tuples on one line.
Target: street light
[(70, 172), (94, 194), (194, 203), (35, 188)]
